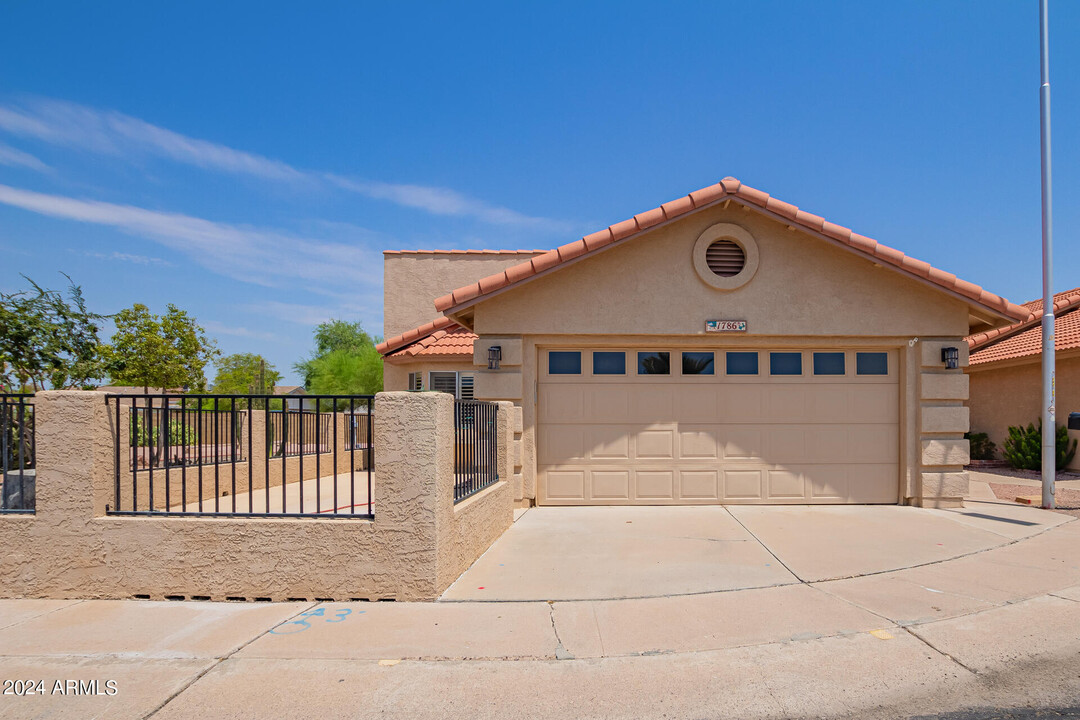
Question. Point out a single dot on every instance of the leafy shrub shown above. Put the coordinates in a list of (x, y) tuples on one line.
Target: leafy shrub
[(1023, 448), (982, 447), (179, 433)]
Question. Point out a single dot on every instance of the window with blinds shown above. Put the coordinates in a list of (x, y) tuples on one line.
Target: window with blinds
[(457, 384), (416, 381)]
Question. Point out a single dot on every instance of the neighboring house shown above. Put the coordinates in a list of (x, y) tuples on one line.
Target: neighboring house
[(293, 397), (725, 347), (1006, 371)]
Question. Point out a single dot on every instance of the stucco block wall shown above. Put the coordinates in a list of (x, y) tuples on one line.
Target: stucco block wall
[(71, 548), (1012, 395), (412, 281)]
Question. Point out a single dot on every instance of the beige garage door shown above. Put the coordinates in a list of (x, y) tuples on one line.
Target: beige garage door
[(673, 426)]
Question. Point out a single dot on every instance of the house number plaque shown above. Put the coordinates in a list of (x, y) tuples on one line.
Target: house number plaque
[(725, 326)]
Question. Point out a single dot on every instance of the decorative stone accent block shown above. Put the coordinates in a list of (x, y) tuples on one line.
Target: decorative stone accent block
[(945, 452), (944, 386), (945, 484), (952, 419)]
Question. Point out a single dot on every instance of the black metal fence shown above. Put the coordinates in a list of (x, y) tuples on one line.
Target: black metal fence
[(475, 447), (18, 481), (242, 455)]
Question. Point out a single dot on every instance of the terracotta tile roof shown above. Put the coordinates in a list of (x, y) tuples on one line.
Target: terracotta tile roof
[(411, 336), (289, 390), (464, 252), (1024, 339), (452, 341), (727, 189)]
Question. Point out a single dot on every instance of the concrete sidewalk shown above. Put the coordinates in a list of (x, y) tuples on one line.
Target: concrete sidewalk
[(996, 627)]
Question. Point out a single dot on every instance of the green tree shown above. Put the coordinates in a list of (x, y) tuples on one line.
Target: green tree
[(244, 373), (345, 361), (166, 351), (47, 340)]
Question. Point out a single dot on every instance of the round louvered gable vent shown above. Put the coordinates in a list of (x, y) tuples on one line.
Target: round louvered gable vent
[(725, 258)]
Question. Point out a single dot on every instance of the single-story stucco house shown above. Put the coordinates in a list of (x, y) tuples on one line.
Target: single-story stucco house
[(1006, 371), (725, 347)]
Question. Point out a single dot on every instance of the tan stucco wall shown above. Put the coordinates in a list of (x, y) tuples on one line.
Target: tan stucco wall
[(803, 286), (412, 281), (805, 293), (1004, 395), (71, 548)]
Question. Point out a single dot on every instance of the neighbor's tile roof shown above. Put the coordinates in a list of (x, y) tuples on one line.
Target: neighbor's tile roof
[(728, 188), (1024, 339), (451, 341)]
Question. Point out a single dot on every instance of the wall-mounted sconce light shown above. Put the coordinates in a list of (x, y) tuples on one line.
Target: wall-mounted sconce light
[(494, 356), (951, 357)]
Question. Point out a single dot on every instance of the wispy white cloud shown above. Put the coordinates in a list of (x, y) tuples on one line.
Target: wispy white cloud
[(441, 201), (113, 133), (264, 257), (218, 328), (14, 157), (127, 257)]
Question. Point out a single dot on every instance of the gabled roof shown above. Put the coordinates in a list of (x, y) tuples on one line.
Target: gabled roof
[(1024, 339), (728, 189), (454, 342)]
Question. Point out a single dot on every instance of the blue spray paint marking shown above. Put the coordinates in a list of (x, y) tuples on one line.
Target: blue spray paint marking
[(291, 627)]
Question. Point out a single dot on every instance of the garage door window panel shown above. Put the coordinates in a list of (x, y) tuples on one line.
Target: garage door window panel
[(698, 363), (561, 362), (608, 363), (829, 363), (654, 363), (742, 363), (871, 363), (785, 363)]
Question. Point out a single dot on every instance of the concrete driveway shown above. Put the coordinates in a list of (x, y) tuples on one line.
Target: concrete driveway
[(606, 553)]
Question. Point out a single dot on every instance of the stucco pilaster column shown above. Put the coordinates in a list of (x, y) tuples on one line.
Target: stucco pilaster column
[(75, 454)]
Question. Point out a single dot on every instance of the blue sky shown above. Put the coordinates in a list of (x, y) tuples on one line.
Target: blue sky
[(250, 163)]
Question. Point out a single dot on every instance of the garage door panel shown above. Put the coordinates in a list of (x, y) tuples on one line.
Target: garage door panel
[(654, 484), (875, 404), (785, 485), (785, 444), (699, 484), (655, 444), (742, 484), (566, 484), (742, 443), (651, 403), (696, 403), (828, 482), (785, 403), (740, 403), (610, 484), (560, 443), (874, 443), (562, 404), (708, 439), (829, 403), (699, 442), (606, 403), (607, 442)]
